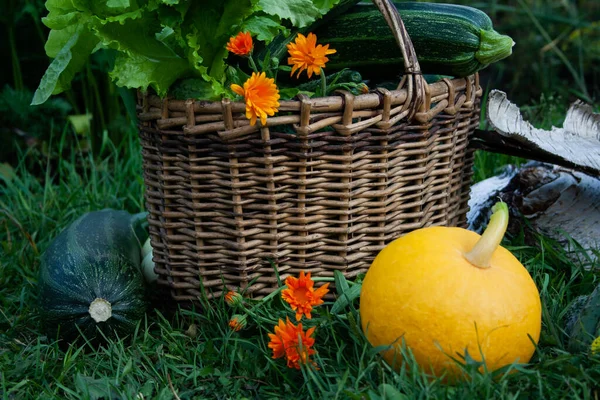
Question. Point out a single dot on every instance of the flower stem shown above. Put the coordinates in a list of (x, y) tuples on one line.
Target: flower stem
[(252, 64), (323, 83), (481, 254)]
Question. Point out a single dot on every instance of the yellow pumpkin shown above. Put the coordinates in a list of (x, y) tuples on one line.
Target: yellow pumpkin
[(443, 291)]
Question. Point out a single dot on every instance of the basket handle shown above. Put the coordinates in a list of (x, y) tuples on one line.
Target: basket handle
[(413, 78)]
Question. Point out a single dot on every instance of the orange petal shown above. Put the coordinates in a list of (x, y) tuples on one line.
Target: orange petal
[(237, 89)]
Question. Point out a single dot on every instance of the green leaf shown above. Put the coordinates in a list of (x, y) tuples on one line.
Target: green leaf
[(61, 14), (208, 27), (341, 284), (106, 8), (263, 27), (7, 172), (389, 392), (288, 93), (325, 5), (172, 40), (172, 17), (57, 39), (300, 12), (236, 75), (68, 61), (61, 21), (142, 60), (192, 88), (81, 123), (117, 3), (94, 389), (125, 16), (60, 6), (346, 299), (194, 48), (134, 70)]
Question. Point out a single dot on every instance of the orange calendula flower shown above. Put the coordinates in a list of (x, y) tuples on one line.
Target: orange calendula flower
[(301, 295), (261, 95), (305, 54), (238, 322), (292, 342), (241, 44)]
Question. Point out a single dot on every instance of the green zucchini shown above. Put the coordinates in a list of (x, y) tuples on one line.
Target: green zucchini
[(449, 39), (90, 277)]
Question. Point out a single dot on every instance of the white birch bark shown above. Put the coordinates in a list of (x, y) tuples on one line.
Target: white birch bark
[(577, 141), (560, 203)]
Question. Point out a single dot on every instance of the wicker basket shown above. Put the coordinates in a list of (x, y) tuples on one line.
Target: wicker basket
[(324, 186)]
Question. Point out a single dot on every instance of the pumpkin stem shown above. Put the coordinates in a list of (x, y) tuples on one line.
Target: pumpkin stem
[(489, 241), (100, 310)]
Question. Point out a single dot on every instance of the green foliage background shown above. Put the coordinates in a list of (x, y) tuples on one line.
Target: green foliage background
[(555, 61)]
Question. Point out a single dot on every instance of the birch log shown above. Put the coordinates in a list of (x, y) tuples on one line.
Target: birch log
[(575, 145), (560, 203)]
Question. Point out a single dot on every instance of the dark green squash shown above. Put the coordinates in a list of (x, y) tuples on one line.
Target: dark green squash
[(449, 39), (90, 278)]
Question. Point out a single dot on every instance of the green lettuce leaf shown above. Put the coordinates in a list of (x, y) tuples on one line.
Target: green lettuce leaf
[(106, 8), (61, 14), (172, 17), (300, 12), (50, 78), (172, 40), (61, 21), (69, 60), (265, 28), (208, 27), (142, 60), (325, 5), (117, 3), (137, 71), (158, 42)]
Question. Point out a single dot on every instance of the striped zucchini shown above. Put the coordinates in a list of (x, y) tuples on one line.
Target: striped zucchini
[(449, 39)]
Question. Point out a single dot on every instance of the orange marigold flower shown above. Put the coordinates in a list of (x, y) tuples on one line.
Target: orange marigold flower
[(261, 95), (292, 342), (301, 295), (306, 55), (241, 44), (233, 299), (238, 322)]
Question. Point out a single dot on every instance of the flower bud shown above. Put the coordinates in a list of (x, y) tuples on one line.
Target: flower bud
[(234, 299), (238, 322)]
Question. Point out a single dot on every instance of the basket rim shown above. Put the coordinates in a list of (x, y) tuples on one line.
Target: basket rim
[(437, 91), (380, 107)]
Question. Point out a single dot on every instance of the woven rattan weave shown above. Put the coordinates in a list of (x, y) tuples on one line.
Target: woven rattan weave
[(324, 186)]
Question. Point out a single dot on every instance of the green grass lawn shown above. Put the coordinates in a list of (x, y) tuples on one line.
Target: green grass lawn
[(192, 353)]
